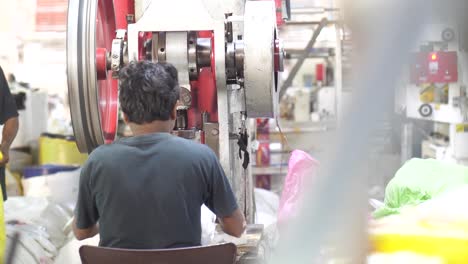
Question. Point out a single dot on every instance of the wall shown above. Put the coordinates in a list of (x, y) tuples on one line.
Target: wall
[(35, 58)]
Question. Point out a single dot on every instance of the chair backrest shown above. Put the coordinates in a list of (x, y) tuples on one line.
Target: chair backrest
[(217, 254)]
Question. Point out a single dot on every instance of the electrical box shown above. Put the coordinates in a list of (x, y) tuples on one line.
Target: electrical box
[(434, 67)]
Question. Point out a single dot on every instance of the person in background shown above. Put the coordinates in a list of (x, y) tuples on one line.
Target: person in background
[(9, 120), (146, 191), (11, 79)]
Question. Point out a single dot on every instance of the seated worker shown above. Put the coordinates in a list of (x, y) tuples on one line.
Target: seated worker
[(9, 120), (146, 191)]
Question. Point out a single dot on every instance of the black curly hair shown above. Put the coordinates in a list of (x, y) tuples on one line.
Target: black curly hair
[(148, 91)]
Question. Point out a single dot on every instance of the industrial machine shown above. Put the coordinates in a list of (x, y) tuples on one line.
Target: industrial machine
[(437, 91), (227, 54)]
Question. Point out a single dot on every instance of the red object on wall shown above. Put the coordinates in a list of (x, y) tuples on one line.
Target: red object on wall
[(434, 67), (263, 129), (263, 136), (320, 72), (263, 181), (263, 154), (51, 15)]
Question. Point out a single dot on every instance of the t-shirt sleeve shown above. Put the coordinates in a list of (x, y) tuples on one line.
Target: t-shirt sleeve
[(86, 213), (220, 199), (7, 102)]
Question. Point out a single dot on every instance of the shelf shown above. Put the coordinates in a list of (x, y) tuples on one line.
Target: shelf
[(46, 36), (304, 127), (271, 170)]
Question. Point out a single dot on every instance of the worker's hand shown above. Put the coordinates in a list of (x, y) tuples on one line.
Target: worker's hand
[(234, 224), (5, 155)]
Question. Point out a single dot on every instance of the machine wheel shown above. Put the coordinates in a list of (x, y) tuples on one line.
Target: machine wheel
[(259, 59), (93, 94)]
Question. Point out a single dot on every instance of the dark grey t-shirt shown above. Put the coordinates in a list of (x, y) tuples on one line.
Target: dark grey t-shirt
[(147, 191), (7, 102)]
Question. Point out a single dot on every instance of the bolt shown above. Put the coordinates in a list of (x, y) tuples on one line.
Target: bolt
[(130, 18)]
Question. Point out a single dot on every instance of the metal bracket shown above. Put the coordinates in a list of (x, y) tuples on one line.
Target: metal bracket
[(117, 52), (120, 33)]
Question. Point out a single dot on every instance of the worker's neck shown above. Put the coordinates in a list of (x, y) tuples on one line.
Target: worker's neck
[(151, 128)]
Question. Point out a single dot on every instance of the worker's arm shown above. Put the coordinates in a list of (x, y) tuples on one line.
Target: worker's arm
[(221, 199), (8, 118), (86, 213), (85, 233), (234, 224), (10, 130)]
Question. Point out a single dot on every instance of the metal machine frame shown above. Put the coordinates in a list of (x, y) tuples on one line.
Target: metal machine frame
[(444, 65), (244, 57)]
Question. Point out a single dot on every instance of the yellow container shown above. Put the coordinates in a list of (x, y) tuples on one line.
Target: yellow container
[(449, 242), (59, 151)]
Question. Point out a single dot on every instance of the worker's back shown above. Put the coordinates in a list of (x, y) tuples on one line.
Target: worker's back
[(146, 192)]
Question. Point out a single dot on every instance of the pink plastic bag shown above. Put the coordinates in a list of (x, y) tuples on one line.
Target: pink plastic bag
[(302, 168)]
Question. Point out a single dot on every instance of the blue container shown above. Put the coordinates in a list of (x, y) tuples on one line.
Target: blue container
[(47, 169)]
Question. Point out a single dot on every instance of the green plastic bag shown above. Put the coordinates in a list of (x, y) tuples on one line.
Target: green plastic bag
[(420, 180)]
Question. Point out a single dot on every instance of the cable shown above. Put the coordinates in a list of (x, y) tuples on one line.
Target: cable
[(282, 134), (283, 137)]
